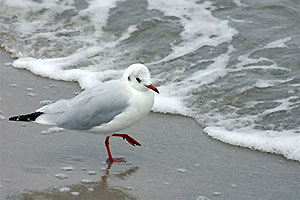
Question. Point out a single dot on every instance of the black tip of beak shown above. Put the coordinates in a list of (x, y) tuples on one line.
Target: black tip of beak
[(152, 87)]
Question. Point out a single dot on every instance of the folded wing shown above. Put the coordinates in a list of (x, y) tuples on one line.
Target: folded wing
[(90, 108)]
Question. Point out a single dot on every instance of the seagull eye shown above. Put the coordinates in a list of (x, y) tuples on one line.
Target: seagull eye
[(138, 80), (129, 79)]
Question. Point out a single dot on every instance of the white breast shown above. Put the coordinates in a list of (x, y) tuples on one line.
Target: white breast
[(140, 105)]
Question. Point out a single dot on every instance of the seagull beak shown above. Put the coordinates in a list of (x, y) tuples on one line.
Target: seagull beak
[(152, 87)]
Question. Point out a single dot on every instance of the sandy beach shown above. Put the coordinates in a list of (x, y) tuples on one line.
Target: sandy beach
[(176, 159)]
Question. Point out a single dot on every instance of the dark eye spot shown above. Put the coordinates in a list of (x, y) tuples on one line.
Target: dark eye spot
[(138, 80), (129, 79)]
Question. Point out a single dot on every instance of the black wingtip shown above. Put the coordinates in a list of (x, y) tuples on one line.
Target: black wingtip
[(26, 118), (15, 118)]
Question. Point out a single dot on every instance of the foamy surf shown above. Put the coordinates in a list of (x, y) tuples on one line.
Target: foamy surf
[(285, 143)]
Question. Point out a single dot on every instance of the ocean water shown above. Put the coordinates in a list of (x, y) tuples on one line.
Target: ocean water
[(232, 65)]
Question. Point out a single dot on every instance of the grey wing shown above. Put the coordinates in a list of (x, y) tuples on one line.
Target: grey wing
[(90, 108)]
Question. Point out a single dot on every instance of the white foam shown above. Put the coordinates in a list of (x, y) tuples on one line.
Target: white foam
[(214, 71), (46, 26), (263, 84), (61, 176), (63, 68), (98, 11), (75, 193), (284, 105), (181, 170), (194, 17), (64, 189), (270, 83), (283, 142), (278, 43), (173, 96), (247, 63), (35, 6), (238, 3), (168, 104), (57, 68), (236, 20), (92, 173)]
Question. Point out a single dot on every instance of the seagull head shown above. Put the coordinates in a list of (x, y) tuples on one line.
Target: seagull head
[(138, 77)]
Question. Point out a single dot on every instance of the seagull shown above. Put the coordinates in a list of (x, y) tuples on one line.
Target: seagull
[(104, 109)]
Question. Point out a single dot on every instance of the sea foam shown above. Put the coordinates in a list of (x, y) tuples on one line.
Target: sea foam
[(283, 142), (194, 17)]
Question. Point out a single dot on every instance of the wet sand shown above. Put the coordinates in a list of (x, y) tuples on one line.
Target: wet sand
[(176, 159)]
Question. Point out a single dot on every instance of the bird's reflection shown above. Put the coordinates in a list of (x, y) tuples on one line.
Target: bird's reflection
[(92, 191)]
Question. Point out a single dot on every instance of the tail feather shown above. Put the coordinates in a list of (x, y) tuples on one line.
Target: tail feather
[(26, 118)]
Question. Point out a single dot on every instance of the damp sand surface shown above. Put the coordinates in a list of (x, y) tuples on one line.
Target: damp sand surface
[(176, 160)]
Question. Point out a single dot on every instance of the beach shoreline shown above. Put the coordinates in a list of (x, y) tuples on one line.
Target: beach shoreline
[(176, 159)]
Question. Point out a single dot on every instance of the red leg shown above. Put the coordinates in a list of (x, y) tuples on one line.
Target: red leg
[(110, 158), (108, 149), (129, 139)]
